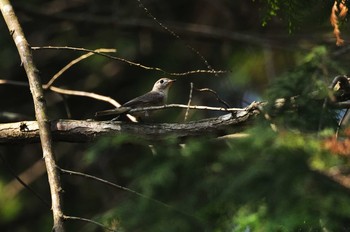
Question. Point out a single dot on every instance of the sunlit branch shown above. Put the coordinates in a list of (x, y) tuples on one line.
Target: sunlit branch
[(66, 92), (186, 107)]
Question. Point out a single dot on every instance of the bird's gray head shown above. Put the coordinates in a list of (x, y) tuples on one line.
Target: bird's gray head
[(163, 85)]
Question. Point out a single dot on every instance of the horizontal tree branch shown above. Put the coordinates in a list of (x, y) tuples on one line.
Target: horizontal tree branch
[(86, 130)]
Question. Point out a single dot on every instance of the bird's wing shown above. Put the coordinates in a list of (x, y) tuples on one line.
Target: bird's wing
[(152, 98), (116, 111)]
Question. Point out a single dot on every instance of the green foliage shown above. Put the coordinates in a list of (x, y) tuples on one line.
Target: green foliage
[(304, 90), (92, 155), (247, 64), (292, 12), (269, 181), (261, 183), (9, 207)]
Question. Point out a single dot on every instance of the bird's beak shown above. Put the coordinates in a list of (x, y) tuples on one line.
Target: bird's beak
[(173, 80)]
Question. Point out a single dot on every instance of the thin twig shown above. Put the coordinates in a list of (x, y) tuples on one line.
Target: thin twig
[(85, 94), (66, 106), (189, 102), (116, 104), (30, 189), (89, 221), (74, 93), (217, 96), (186, 107), (69, 172), (75, 61), (16, 83), (195, 51), (67, 92), (91, 95), (199, 71)]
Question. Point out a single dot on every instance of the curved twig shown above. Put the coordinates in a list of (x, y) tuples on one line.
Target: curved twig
[(216, 95), (89, 221), (73, 62), (67, 92), (85, 94)]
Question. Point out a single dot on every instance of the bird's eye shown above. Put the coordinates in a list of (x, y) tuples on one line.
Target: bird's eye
[(161, 81)]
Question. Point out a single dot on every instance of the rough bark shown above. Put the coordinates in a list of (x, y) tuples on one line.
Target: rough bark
[(43, 123), (85, 131)]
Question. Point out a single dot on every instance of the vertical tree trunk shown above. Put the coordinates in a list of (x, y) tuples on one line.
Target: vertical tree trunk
[(40, 111)]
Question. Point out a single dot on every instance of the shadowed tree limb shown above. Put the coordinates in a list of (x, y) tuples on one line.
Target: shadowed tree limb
[(85, 131), (43, 123)]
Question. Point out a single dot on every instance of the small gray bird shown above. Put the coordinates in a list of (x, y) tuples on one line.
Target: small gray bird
[(157, 96)]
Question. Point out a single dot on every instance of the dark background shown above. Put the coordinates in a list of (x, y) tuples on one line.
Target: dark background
[(267, 182)]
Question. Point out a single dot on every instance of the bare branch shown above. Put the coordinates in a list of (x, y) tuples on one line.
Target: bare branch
[(117, 186), (16, 83), (73, 62), (40, 110), (189, 102), (216, 95), (67, 92), (28, 176), (116, 104), (199, 71), (171, 32), (21, 181), (74, 93), (186, 107), (90, 95), (89, 221), (85, 94), (85, 131)]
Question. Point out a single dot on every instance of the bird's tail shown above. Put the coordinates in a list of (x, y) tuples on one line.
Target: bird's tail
[(116, 111)]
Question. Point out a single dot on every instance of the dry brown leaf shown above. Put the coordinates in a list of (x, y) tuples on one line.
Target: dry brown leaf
[(343, 10), (337, 146), (339, 11)]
